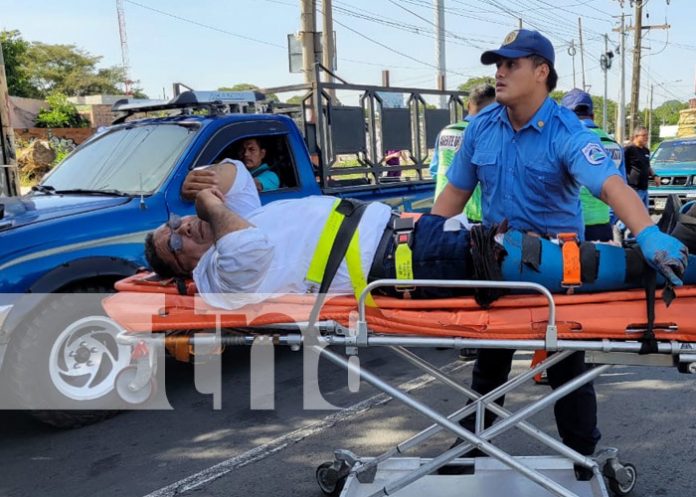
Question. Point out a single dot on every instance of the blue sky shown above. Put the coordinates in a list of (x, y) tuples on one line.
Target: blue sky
[(210, 43)]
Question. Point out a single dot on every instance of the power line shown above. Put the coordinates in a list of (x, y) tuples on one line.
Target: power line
[(207, 26)]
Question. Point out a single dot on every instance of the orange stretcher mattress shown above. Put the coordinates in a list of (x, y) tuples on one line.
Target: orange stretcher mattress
[(143, 305)]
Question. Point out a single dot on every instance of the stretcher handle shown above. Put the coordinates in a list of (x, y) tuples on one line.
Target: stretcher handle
[(551, 337)]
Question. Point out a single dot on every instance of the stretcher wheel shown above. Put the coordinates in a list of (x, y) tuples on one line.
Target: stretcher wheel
[(630, 479), (329, 480), (687, 367), (137, 397)]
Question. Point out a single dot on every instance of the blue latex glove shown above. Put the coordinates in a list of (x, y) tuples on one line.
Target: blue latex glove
[(664, 253)]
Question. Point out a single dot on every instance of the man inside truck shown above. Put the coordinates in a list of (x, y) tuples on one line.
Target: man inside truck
[(252, 152)]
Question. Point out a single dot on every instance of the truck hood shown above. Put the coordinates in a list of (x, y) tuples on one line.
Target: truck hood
[(30, 209), (674, 168)]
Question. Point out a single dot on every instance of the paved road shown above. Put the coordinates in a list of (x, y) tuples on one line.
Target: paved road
[(193, 450)]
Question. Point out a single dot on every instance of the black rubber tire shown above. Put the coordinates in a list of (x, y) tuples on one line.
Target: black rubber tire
[(328, 480), (622, 490), (27, 368)]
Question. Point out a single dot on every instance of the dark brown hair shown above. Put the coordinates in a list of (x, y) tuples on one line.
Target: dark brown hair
[(552, 78)]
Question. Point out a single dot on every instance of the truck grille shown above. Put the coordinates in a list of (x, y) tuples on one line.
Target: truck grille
[(674, 181)]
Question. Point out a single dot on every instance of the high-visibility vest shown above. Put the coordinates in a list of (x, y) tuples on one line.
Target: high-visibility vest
[(594, 211), (448, 143), (317, 266)]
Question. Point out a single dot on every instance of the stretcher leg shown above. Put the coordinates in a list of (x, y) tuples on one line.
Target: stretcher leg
[(473, 439)]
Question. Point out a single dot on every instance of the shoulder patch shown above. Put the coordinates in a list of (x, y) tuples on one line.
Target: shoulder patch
[(594, 153)]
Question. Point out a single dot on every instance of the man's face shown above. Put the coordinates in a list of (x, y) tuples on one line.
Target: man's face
[(641, 138), (252, 154), (517, 79), (194, 236)]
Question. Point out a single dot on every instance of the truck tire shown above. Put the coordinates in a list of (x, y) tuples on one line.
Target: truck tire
[(63, 361)]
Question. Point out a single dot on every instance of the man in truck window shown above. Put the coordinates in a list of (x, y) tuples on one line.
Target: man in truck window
[(253, 154)]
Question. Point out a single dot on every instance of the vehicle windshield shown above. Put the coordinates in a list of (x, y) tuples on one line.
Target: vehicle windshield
[(684, 151), (131, 160)]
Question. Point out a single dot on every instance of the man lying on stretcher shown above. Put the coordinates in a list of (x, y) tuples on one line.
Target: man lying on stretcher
[(236, 252)]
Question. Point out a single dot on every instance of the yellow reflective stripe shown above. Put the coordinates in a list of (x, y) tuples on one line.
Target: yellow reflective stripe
[(320, 258), (317, 266), (403, 259), (357, 277)]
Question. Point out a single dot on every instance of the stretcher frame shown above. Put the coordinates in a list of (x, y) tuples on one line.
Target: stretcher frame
[(352, 476)]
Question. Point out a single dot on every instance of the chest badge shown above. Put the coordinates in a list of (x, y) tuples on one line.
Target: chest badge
[(540, 124)]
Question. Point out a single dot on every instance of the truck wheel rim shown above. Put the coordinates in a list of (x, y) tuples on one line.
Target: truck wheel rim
[(85, 358)]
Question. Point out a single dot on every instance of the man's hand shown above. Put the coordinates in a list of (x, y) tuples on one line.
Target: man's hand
[(198, 180), (664, 253), (207, 200)]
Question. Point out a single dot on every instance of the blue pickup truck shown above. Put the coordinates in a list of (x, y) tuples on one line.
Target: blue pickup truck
[(82, 228)]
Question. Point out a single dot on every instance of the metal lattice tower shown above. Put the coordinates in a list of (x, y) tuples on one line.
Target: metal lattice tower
[(124, 46)]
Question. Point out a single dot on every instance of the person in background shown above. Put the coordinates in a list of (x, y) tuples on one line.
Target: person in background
[(394, 158), (448, 142), (638, 170), (252, 155), (596, 214)]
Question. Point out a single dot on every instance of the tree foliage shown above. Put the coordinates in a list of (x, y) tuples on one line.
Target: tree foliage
[(36, 69), (668, 112), (270, 97), (479, 80), (60, 114), (15, 53)]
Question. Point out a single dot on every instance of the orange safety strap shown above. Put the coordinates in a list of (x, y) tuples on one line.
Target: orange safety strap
[(570, 251)]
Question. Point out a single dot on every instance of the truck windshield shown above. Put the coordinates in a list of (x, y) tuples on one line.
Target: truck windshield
[(132, 160), (676, 152)]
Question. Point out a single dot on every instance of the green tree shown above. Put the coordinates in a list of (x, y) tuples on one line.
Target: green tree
[(479, 80), (270, 97), (60, 114), (668, 112), (70, 70), (15, 52)]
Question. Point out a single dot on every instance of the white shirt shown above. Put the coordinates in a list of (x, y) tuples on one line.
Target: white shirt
[(242, 198), (273, 256)]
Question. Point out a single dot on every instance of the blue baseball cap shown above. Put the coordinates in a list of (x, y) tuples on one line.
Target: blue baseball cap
[(576, 100), (521, 43)]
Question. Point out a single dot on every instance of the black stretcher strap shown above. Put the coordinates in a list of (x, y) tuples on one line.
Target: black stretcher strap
[(531, 252), (353, 211), (486, 255), (648, 342), (589, 262)]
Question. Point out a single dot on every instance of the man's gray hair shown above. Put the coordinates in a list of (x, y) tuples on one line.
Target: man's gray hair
[(639, 129), (482, 95)]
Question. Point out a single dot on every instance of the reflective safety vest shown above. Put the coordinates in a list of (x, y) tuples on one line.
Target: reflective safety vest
[(448, 143), (324, 249), (594, 211)]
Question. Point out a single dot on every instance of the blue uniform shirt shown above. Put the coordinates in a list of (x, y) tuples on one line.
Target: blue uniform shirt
[(531, 177)]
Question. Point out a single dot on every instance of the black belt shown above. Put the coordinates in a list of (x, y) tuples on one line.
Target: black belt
[(385, 248)]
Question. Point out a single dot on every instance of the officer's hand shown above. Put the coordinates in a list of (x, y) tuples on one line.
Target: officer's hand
[(207, 200), (663, 252), (197, 180)]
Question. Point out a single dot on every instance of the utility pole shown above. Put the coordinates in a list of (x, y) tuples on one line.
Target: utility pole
[(635, 77), (650, 110), (637, 38), (9, 179), (605, 63), (572, 52), (307, 34), (440, 49), (621, 114), (582, 54), (520, 23), (327, 41)]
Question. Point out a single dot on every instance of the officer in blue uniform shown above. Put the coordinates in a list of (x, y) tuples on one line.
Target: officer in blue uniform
[(530, 156)]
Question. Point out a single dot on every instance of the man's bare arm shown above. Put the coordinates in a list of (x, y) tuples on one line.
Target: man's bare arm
[(451, 201), (626, 204), (210, 207), (220, 176)]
